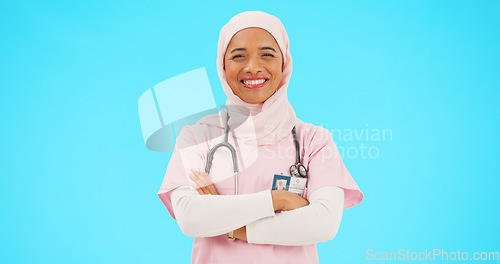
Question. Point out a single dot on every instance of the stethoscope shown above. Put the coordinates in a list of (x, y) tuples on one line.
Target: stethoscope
[(296, 170)]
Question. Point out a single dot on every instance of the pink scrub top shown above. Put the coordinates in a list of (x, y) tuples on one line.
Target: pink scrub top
[(257, 166)]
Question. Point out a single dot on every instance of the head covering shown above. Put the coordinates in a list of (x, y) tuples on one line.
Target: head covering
[(264, 123)]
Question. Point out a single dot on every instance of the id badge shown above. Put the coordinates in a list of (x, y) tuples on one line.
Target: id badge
[(292, 184)]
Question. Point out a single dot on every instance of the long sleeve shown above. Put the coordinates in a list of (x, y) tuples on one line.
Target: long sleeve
[(213, 215), (317, 222)]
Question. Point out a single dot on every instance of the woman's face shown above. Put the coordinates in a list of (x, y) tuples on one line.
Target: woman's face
[(253, 65)]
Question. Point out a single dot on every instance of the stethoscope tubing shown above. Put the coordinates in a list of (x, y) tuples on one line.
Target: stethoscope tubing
[(299, 168), (224, 143)]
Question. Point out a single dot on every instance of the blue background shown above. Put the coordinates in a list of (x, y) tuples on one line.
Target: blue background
[(78, 185)]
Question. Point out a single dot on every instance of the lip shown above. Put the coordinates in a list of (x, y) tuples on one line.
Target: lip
[(253, 86)]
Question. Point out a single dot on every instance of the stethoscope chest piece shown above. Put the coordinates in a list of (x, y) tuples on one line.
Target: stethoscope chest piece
[(297, 170)]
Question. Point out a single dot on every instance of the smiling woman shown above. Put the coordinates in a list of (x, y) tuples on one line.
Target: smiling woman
[(247, 215), (254, 65)]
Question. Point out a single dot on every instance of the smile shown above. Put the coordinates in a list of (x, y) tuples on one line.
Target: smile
[(253, 83)]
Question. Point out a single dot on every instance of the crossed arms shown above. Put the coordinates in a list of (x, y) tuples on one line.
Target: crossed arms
[(268, 217)]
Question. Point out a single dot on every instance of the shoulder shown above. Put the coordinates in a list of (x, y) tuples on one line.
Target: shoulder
[(200, 132), (318, 145), (312, 134), (314, 139)]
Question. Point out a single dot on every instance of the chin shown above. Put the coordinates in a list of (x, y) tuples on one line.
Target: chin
[(256, 98), (252, 101), (251, 96)]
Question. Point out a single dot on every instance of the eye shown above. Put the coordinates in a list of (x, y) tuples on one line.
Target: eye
[(237, 56), (268, 54)]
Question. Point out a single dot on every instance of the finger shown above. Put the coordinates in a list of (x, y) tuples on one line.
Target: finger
[(207, 182), (197, 184), (212, 189), (199, 181), (195, 178), (198, 189), (210, 185)]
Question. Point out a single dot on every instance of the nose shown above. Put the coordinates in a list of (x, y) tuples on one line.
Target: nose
[(254, 66)]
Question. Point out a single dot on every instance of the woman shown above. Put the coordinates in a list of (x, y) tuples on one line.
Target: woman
[(257, 225)]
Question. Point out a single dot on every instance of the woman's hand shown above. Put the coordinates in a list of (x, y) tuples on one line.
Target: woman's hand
[(241, 233), (202, 183), (287, 201)]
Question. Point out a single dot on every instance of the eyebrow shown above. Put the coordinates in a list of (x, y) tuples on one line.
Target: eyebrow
[(262, 48)]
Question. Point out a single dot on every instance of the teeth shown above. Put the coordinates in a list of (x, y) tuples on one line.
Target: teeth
[(254, 82)]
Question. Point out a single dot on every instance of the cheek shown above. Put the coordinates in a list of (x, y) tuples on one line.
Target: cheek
[(277, 73), (275, 69), (231, 72), (230, 75)]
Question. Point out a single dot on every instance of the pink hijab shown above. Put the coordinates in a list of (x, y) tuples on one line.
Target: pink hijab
[(264, 123)]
